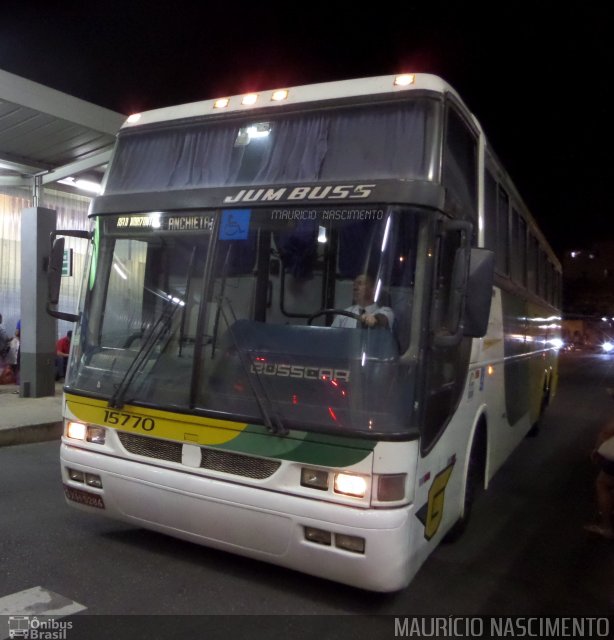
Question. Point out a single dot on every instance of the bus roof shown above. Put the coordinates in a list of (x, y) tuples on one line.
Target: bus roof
[(377, 85)]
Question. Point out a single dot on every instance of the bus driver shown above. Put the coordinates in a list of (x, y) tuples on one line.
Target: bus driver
[(371, 314)]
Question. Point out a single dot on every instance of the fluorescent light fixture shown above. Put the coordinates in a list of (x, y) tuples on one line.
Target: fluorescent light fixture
[(386, 232), (119, 272), (378, 288), (83, 185), (260, 130)]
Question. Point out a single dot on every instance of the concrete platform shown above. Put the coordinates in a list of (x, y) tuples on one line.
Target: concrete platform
[(25, 420)]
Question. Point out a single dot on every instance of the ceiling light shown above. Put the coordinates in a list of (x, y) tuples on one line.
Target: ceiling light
[(83, 185)]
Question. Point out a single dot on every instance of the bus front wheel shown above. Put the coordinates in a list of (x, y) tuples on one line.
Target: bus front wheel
[(473, 484)]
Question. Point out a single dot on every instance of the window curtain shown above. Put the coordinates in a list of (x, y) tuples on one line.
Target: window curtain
[(361, 143), (174, 159)]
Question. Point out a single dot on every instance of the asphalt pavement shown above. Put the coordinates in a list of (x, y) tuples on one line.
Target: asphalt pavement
[(26, 420)]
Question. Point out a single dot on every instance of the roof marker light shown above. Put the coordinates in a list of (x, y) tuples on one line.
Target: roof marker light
[(135, 117), (279, 95), (249, 99), (221, 103), (404, 80)]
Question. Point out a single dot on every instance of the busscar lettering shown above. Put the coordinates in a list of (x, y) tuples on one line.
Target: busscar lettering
[(300, 371), (320, 192)]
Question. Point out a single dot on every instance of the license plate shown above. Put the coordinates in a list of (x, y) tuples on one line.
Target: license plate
[(84, 497)]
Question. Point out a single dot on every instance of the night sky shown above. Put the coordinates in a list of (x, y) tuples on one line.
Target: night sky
[(536, 74)]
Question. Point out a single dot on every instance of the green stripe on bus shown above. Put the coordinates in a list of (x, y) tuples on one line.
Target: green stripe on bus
[(310, 448)]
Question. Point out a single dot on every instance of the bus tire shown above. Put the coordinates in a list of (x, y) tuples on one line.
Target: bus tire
[(545, 401), (473, 484)]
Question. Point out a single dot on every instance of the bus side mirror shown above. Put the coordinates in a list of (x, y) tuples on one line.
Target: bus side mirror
[(479, 292), (54, 273), (471, 295)]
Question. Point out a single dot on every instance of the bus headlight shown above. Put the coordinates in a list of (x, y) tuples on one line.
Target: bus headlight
[(76, 430), (85, 432), (350, 485), (97, 435), (314, 478)]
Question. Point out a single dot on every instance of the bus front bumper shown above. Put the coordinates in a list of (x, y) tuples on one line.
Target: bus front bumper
[(250, 521)]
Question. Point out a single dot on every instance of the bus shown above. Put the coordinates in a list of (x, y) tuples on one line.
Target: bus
[(212, 392)]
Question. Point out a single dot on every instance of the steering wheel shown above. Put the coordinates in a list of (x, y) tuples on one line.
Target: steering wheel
[(339, 312)]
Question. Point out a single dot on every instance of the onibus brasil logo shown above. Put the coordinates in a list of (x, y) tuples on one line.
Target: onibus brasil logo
[(35, 628)]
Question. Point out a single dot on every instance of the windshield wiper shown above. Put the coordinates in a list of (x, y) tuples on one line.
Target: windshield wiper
[(186, 305), (271, 419), (160, 326)]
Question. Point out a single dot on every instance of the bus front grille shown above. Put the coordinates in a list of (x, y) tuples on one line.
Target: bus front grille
[(151, 447), (212, 459)]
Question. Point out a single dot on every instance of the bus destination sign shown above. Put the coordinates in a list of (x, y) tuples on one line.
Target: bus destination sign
[(159, 222)]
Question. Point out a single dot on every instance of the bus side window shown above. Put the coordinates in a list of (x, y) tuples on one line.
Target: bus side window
[(460, 163), (490, 211)]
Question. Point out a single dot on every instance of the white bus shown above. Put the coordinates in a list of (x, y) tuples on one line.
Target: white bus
[(221, 386)]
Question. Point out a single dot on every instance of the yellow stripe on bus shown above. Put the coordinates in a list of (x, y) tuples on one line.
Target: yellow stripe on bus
[(152, 422)]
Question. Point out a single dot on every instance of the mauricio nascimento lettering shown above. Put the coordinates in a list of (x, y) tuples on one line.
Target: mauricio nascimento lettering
[(501, 627), (327, 214)]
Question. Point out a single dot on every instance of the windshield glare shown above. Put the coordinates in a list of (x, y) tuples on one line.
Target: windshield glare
[(291, 318)]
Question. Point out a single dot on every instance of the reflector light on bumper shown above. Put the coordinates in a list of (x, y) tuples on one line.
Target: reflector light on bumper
[(355, 544), (90, 479)]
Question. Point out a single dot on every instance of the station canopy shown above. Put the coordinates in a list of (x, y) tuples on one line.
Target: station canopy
[(50, 138)]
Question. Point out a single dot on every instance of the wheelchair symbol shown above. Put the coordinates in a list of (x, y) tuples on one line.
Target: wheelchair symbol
[(232, 228)]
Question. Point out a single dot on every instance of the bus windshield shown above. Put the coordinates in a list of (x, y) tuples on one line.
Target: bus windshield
[(290, 318)]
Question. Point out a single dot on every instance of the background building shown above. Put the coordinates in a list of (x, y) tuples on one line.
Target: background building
[(588, 295)]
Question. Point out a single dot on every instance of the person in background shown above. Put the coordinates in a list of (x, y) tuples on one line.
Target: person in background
[(371, 314), (603, 456), (5, 341), (14, 353), (6, 370), (62, 349)]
